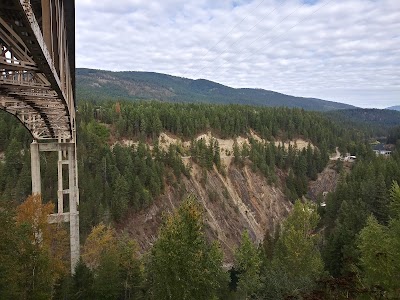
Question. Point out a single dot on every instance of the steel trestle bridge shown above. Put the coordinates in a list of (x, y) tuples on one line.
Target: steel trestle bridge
[(37, 85)]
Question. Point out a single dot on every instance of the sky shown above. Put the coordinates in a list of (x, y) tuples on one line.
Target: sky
[(340, 50)]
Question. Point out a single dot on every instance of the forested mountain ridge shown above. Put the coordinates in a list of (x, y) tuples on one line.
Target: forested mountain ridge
[(368, 116), (107, 85), (374, 121), (395, 107)]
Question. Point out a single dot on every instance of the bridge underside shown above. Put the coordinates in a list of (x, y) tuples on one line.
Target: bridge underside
[(37, 66), (37, 84)]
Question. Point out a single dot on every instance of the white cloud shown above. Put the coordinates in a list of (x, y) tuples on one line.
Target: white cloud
[(342, 50)]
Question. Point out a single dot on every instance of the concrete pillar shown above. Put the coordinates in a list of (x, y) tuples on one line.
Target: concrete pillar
[(60, 193), (73, 206), (35, 169)]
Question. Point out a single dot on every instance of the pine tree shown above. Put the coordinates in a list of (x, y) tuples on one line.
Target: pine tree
[(9, 258), (182, 264), (297, 262), (248, 264), (380, 269), (82, 283), (217, 157), (380, 206), (120, 199), (107, 281)]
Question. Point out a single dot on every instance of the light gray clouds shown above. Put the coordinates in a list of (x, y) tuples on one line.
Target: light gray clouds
[(342, 50)]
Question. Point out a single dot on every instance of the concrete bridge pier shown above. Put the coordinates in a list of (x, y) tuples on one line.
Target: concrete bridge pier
[(73, 205), (66, 160), (35, 169)]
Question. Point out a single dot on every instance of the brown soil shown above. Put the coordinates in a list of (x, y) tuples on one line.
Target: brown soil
[(243, 200)]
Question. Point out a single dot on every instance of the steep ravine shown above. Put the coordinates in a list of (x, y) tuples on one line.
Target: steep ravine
[(242, 200), (237, 201)]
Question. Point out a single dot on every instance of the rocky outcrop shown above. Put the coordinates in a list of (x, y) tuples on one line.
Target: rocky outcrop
[(326, 182)]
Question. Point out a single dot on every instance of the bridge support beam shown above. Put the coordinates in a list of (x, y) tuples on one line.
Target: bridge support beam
[(73, 205), (66, 157), (47, 25), (35, 169)]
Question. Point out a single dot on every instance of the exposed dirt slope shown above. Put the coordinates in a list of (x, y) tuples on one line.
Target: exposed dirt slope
[(243, 200), (225, 145), (326, 182), (328, 179)]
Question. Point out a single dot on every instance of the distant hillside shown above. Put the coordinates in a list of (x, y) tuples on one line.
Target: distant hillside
[(376, 120), (105, 85), (396, 107)]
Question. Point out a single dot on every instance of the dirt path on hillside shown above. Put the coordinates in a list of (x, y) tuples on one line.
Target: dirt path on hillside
[(335, 156)]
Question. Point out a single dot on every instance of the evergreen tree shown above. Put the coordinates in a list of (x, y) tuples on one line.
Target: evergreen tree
[(9, 255), (120, 198), (394, 206), (297, 262), (248, 264), (107, 281), (182, 264), (380, 259), (380, 206), (82, 283)]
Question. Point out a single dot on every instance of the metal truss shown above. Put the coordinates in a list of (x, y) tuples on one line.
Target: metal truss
[(37, 85), (36, 78)]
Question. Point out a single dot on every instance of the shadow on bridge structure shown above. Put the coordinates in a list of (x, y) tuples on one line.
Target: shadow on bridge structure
[(37, 86)]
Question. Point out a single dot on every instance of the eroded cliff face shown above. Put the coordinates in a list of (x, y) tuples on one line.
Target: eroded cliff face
[(240, 200), (237, 200), (326, 182)]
